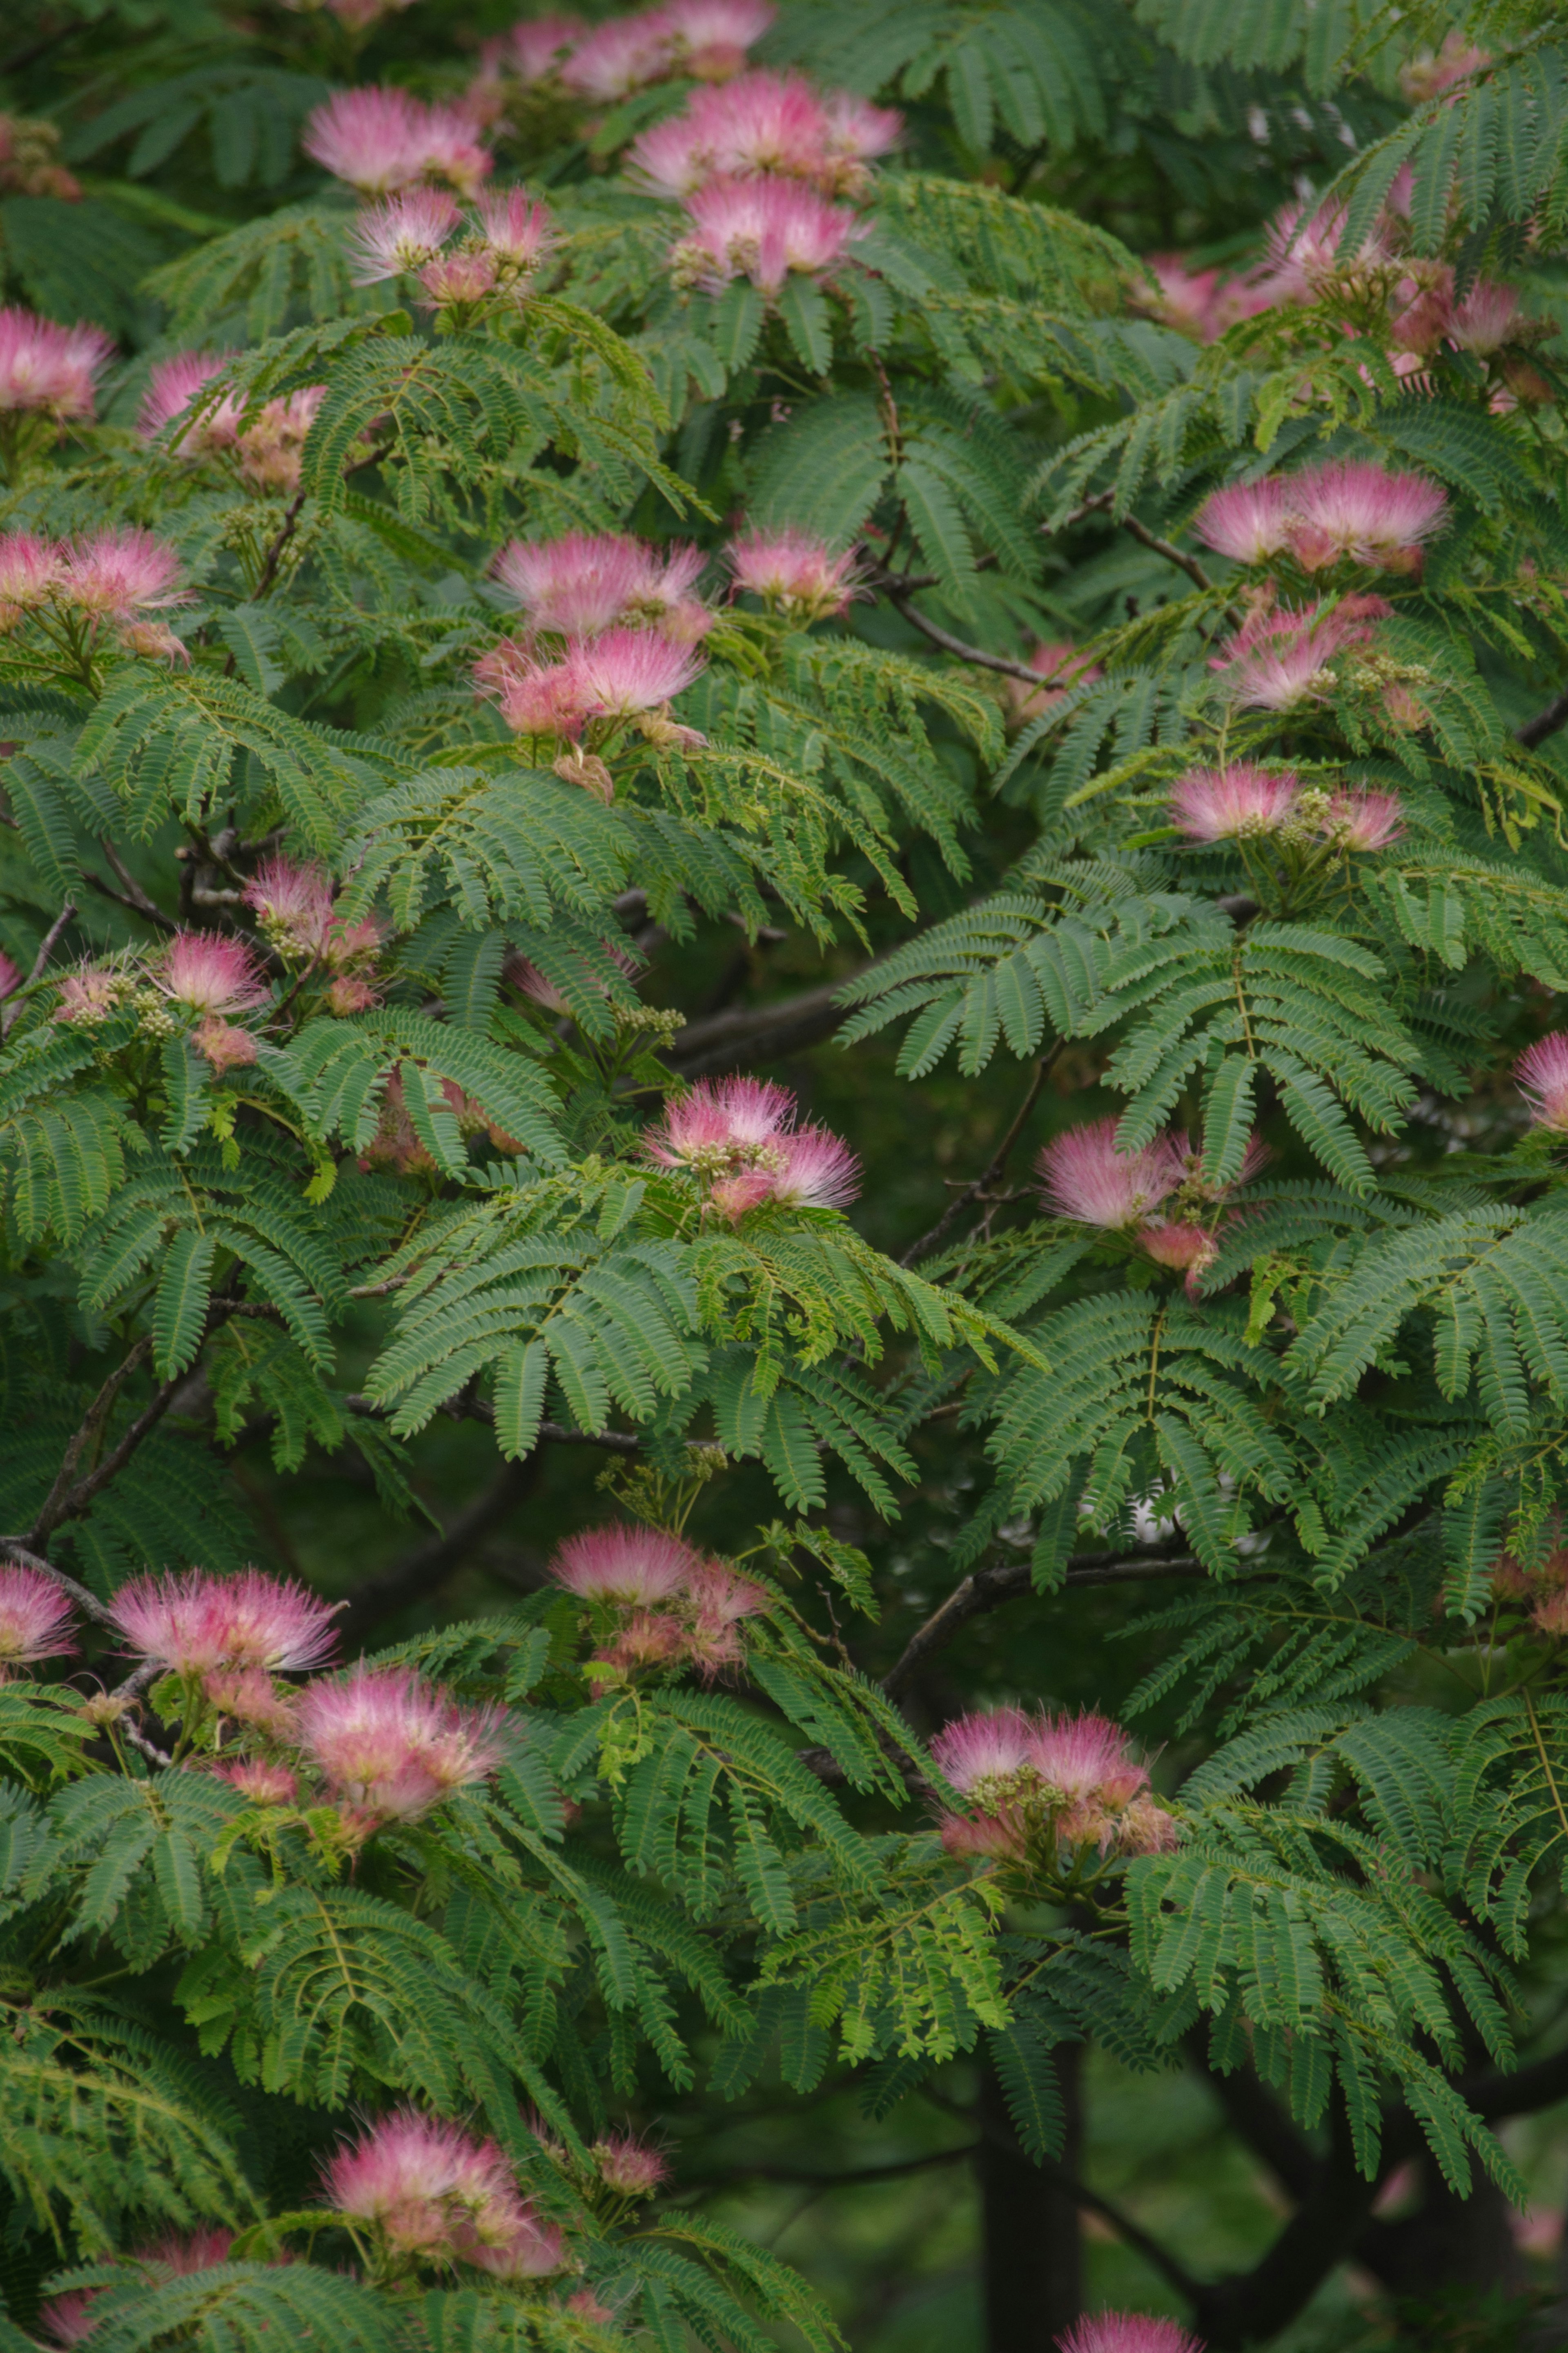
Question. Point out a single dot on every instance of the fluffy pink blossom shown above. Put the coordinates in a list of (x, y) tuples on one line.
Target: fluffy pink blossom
[(719, 1600), (89, 996), (1060, 668), (32, 571), (121, 574), (294, 905), (1358, 512), (224, 1046), (627, 2166), (1250, 521), (35, 1618), (465, 275), (1188, 1249), (48, 368), (717, 1119), (423, 2183), (1285, 659), (1540, 1074), (402, 234), (196, 1621), (10, 975), (1217, 804), (1304, 250), (69, 2319), (532, 50), (1084, 1757), (619, 55), (171, 388), (819, 1170), (535, 697), (1085, 1177), (1364, 820), (1485, 320), (761, 229), (858, 130), (624, 1563), (708, 38), (383, 140), (629, 670), (1128, 2332), (1188, 299), (648, 1638), (794, 572), (584, 583), (1426, 76), (518, 231), (985, 1837), (210, 972), (983, 1748), (177, 1620), (512, 2241), (761, 123), (250, 1696), (393, 1746)]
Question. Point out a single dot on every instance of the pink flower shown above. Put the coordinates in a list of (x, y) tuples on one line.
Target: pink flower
[(761, 229), (210, 972), (403, 234), (1058, 662), (511, 2240), (708, 38), (1250, 521), (819, 1170), (250, 1696), (1085, 1177), (451, 149), (979, 1750), (1484, 322), (1128, 2332), (35, 1618), (121, 574), (1304, 252), (178, 1621), (294, 904), (68, 2320), (89, 996), (171, 388), (198, 2250), (1217, 804), (536, 698), (794, 572), (718, 1121), (420, 2181), (270, 450), (32, 570), (858, 130), (984, 1838), (1359, 513), (628, 2166), (1188, 299), (48, 368), (1364, 820), (1426, 76), (197, 1621), (721, 1601), (1084, 1757), (586, 2307), (623, 1562), (465, 275), (393, 1746), (532, 51), (370, 138), (1145, 1828), (1282, 659), (628, 671), (619, 55), (1540, 1074), (10, 975), (584, 583), (225, 1047), (1189, 1249), (761, 122), (518, 231)]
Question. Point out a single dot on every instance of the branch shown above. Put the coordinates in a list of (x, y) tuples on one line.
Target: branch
[(132, 895), (952, 645), (988, 1588), (470, 1408), (13, 1005), (1544, 723), (52, 1511), (741, 1032), (1252, 2305), (798, 2176), (1183, 563), (992, 1168), (1131, 2234), (428, 1565), (272, 559)]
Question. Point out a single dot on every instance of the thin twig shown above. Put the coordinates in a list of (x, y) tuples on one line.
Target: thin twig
[(952, 645), (988, 1588), (471, 1409), (1183, 563), (1545, 722), (97, 1414), (9, 1011), (273, 557), (135, 896), (801, 2177), (992, 1168)]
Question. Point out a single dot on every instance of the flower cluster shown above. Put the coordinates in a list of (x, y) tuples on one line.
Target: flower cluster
[(1541, 1076), (35, 1618), (740, 1138), (765, 124), (707, 40), (50, 370), (389, 1747), (193, 1623), (668, 1605), (1350, 513), (1128, 2332), (763, 230), (293, 907), (69, 2319), (1543, 1587), (586, 583), (1083, 1177), (265, 448), (397, 1143), (73, 589), (383, 140), (431, 2195), (1242, 802), (794, 572), (1046, 1787), (502, 244)]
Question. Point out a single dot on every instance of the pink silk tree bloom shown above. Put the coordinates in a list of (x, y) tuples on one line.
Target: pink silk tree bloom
[(121, 574), (1085, 1177), (629, 670), (859, 130), (371, 138), (48, 368), (708, 38), (1305, 248), (69, 2319), (518, 232), (508, 2238), (172, 386), (1188, 300), (794, 572), (188, 2252), (466, 276), (293, 905), (451, 149), (1364, 820), (418, 2181), (761, 123), (1288, 661), (623, 1562), (393, 1746), (619, 55), (1222, 804), (1428, 76), (587, 582), (1128, 2332), (762, 229), (983, 1837), (32, 571), (250, 1696), (1085, 1758), (10, 975), (177, 1622), (274, 1622), (1541, 1075), (1486, 320), (224, 1046), (532, 51), (1359, 513), (1060, 669), (210, 972), (35, 1618), (1145, 1828), (1249, 521), (717, 1118), (985, 1748), (819, 1170), (1188, 1247), (89, 995), (628, 2166), (402, 234)]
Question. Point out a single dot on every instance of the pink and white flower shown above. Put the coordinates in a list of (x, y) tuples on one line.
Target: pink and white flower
[(1085, 1178), (172, 386), (628, 2166), (194, 1621), (32, 574), (379, 141), (1279, 661), (51, 369), (1249, 521), (761, 229), (293, 904), (622, 1563), (69, 2319), (1540, 1074), (1486, 320), (392, 1747), (262, 1784), (421, 2182), (175, 1621), (89, 995), (1235, 802), (621, 55), (210, 972), (586, 583), (249, 1696), (1360, 513), (120, 573), (708, 38), (818, 1171), (1364, 820), (794, 572), (10, 975), (518, 231), (402, 234), (764, 122), (35, 1618), (1128, 2332), (716, 1118), (464, 276), (532, 51), (984, 1750), (626, 671), (1083, 1757), (535, 698), (859, 130)]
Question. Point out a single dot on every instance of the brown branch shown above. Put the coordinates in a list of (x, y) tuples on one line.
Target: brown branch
[(133, 897), (1544, 723), (992, 1168), (989, 1588), (952, 645), (741, 1032), (470, 1408), (13, 1005), (273, 558), (799, 2177), (98, 1413), (1183, 563)]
